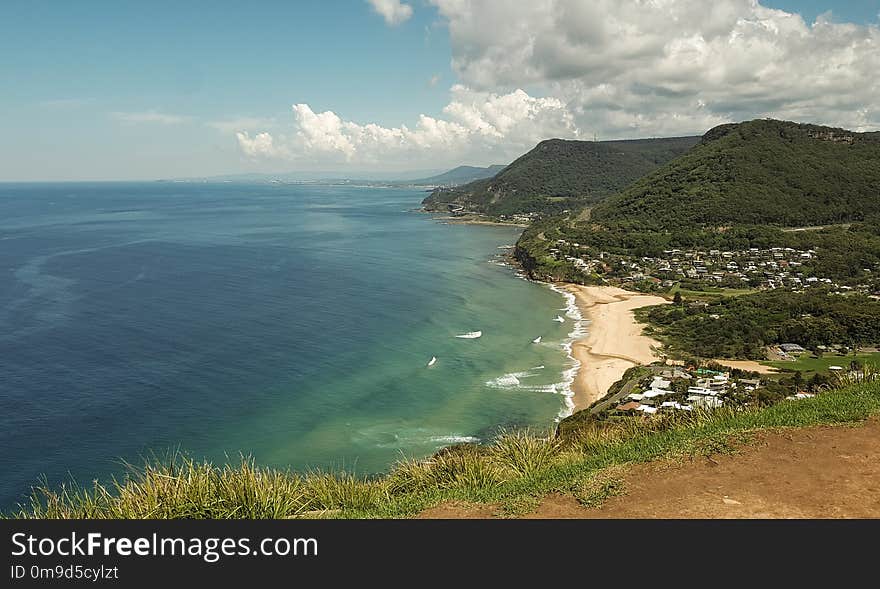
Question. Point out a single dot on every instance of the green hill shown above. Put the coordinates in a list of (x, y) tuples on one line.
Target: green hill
[(559, 174), (744, 186), (761, 172)]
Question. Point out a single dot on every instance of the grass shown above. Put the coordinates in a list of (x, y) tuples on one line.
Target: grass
[(513, 473), (710, 292), (809, 364)]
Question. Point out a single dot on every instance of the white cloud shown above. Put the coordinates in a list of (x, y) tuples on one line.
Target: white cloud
[(616, 68), (261, 145), (651, 67), (432, 81), (150, 116), (241, 124), (477, 127), (394, 12)]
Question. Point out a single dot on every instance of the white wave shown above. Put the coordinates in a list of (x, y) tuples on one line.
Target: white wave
[(453, 439), (470, 335), (545, 388), (508, 381), (578, 332), (512, 380)]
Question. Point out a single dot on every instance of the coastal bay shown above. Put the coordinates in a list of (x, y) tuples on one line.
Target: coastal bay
[(290, 323)]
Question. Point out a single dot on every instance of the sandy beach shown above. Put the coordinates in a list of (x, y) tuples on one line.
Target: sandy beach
[(615, 341)]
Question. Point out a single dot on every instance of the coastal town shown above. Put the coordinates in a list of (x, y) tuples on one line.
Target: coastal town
[(753, 268), (686, 389)]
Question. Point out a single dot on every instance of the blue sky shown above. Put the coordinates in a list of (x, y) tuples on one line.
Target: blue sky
[(857, 11), (127, 90)]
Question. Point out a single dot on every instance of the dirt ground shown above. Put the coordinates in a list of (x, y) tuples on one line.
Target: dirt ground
[(749, 365), (820, 472)]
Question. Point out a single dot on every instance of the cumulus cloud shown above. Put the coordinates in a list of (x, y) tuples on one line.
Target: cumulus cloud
[(476, 126), (394, 12), (652, 67), (150, 116), (615, 68), (261, 145)]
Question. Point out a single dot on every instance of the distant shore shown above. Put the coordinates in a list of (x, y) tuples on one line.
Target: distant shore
[(473, 220), (614, 343)]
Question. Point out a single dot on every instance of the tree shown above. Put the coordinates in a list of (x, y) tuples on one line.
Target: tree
[(798, 380), (676, 299)]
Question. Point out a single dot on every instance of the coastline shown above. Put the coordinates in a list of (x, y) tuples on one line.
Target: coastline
[(470, 220), (613, 343)]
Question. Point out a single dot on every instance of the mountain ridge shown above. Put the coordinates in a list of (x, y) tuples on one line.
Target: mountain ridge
[(560, 174)]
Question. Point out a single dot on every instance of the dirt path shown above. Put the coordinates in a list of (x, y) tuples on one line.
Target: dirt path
[(821, 472)]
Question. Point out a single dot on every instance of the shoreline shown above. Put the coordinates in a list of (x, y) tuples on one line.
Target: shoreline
[(613, 343), (469, 220)]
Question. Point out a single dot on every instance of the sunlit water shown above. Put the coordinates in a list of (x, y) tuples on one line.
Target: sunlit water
[(293, 323)]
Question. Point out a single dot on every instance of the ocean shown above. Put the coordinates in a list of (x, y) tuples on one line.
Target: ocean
[(292, 323)]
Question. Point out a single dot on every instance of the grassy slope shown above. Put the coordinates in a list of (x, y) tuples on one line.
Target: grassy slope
[(758, 172), (810, 365), (559, 174), (514, 472)]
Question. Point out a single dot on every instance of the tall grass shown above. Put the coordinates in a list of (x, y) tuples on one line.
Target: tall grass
[(514, 471), (869, 373), (177, 487), (343, 490), (523, 454)]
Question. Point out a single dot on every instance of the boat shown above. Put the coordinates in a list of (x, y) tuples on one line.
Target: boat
[(560, 319), (433, 360), (537, 340), (470, 335)]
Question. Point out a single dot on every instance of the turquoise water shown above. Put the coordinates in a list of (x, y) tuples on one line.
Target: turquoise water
[(293, 323)]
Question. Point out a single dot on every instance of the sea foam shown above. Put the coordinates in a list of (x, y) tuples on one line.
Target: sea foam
[(454, 439), (578, 332)]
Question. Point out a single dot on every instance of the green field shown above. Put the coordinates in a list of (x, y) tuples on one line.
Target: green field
[(710, 292), (809, 364)]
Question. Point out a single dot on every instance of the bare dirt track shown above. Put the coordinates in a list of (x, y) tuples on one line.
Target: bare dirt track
[(818, 472)]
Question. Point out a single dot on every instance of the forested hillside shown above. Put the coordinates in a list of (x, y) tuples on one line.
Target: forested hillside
[(761, 172), (557, 175)]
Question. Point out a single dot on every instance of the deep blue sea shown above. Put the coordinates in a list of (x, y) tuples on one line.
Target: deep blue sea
[(293, 323)]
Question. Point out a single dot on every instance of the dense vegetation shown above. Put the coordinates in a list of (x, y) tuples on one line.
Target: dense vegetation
[(741, 327), (761, 172), (557, 175), (514, 472)]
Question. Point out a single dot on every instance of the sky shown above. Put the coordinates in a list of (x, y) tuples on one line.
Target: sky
[(142, 90)]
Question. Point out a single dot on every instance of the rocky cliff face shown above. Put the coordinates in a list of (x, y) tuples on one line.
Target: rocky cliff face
[(833, 135)]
